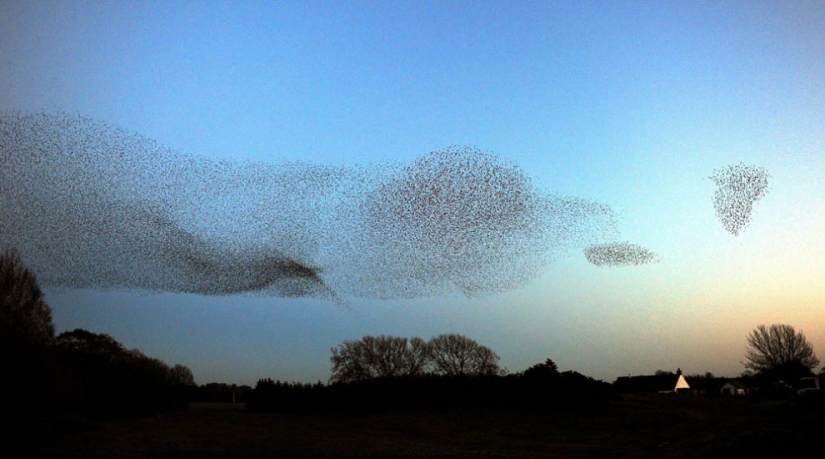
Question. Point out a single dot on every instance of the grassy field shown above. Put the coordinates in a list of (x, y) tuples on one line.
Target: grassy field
[(666, 426)]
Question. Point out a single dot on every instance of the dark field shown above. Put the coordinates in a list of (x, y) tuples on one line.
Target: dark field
[(638, 426)]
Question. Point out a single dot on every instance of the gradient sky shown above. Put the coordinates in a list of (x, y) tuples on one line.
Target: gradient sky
[(630, 103)]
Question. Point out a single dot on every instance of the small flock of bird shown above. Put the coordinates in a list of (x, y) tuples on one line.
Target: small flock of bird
[(738, 187), (619, 254)]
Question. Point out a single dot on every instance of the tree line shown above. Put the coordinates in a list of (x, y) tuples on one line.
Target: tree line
[(383, 356), (389, 372), (379, 373), (89, 374), (93, 374)]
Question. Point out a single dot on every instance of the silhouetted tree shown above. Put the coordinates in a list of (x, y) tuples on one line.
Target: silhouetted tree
[(417, 358), (84, 342), (378, 357), (110, 381), (780, 352), (181, 375), (26, 331), (25, 318), (548, 369), (455, 355)]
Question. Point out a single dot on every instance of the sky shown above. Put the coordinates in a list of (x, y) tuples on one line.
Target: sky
[(633, 105)]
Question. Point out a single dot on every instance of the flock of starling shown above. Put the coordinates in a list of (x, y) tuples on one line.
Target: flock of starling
[(738, 187), (462, 221), (619, 254), (90, 205)]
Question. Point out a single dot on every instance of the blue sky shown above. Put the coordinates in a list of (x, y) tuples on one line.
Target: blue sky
[(631, 104)]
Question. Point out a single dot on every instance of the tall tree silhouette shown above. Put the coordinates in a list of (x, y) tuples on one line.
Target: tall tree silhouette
[(780, 352), (26, 331), (25, 318), (455, 355), (378, 357), (181, 375), (548, 369)]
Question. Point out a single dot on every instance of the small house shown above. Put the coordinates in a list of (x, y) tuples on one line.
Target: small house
[(734, 388)]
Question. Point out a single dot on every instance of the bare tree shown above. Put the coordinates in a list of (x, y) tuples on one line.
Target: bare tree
[(458, 355), (388, 356), (181, 375), (349, 362), (780, 351), (25, 318), (26, 331), (417, 357), (378, 357)]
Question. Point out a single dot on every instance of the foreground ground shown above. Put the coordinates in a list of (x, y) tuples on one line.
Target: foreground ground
[(638, 426)]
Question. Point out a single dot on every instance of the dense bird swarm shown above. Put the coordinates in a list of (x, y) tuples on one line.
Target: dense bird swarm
[(466, 220), (619, 254), (738, 187), (90, 205)]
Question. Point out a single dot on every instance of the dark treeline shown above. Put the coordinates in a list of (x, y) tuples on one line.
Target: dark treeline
[(551, 391), (215, 392), (102, 379), (379, 373), (93, 376), (54, 383)]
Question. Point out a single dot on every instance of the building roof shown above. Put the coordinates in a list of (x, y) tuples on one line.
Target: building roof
[(735, 384)]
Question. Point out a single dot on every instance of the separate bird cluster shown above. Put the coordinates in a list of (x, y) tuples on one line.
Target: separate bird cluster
[(619, 254), (738, 187), (90, 205)]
